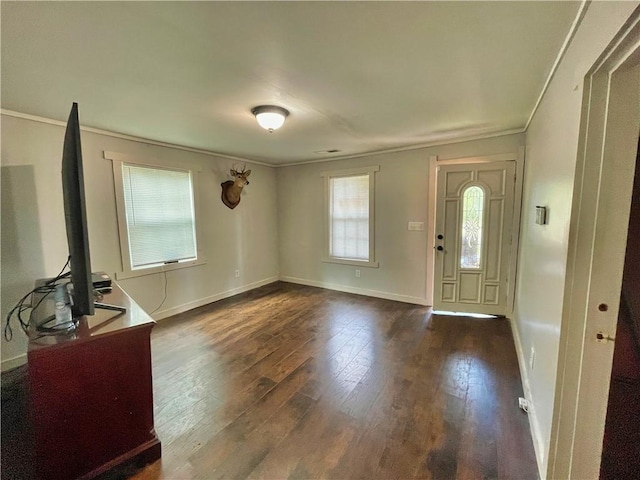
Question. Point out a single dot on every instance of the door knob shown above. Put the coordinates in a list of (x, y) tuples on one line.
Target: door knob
[(440, 237), (439, 248)]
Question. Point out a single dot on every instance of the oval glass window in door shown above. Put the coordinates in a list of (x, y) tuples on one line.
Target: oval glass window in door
[(472, 216)]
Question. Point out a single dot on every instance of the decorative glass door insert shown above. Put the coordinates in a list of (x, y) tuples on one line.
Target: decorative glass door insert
[(471, 241)]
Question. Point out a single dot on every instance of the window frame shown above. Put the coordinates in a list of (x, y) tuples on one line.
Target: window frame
[(117, 160), (351, 172), (483, 233)]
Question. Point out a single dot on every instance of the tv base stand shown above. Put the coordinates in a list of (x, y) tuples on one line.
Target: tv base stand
[(106, 306)]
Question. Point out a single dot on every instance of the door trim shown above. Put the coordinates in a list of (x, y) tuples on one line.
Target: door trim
[(599, 218), (434, 163)]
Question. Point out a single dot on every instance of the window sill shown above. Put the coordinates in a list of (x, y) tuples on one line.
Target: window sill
[(357, 263), (159, 269)]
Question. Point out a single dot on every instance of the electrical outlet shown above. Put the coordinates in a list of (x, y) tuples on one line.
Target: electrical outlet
[(237, 273), (532, 358), (523, 404), (357, 273)]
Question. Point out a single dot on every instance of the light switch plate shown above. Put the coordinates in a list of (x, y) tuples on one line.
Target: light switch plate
[(541, 215), (415, 226)]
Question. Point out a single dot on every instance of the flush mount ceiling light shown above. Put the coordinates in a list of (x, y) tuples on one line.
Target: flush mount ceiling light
[(270, 117)]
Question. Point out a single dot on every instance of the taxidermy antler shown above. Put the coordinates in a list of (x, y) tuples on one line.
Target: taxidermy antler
[(231, 189)]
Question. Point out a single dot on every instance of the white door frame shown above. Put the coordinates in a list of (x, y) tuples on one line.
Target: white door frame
[(597, 242), (434, 163)]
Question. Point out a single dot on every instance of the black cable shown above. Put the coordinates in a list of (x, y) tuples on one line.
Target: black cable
[(33, 309), (8, 332), (63, 327), (165, 293), (21, 306), (60, 275)]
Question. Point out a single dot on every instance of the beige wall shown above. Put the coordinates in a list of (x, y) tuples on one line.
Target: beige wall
[(552, 140), (33, 230), (400, 197), (287, 204)]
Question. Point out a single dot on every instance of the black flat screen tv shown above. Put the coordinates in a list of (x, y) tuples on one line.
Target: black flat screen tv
[(75, 215)]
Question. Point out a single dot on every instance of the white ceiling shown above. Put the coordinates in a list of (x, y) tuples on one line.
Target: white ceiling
[(356, 76)]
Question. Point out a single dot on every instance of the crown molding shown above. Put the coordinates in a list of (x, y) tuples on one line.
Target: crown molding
[(122, 136), (435, 143), (563, 50), (447, 141)]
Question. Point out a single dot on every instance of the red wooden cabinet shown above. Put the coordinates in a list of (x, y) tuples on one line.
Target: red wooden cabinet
[(91, 394)]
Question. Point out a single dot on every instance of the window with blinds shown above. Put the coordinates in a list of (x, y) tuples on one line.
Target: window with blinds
[(160, 216), (349, 217)]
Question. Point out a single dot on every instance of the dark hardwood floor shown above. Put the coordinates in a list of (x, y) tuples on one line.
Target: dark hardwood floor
[(298, 382)]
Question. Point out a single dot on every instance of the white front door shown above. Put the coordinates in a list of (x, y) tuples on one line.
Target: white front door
[(474, 212)]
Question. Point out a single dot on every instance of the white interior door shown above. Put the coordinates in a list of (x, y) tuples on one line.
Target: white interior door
[(474, 212)]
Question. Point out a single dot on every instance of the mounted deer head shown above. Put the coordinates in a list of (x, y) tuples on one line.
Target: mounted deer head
[(231, 189)]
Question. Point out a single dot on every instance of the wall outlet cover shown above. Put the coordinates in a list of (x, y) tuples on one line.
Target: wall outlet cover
[(523, 404)]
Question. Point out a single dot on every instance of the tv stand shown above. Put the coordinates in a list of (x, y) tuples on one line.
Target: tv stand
[(91, 395)]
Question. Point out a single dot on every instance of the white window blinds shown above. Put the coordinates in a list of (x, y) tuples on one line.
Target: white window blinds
[(349, 217), (160, 215)]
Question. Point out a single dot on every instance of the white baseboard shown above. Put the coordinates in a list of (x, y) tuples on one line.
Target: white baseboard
[(212, 298), (11, 363), (534, 424), (357, 291)]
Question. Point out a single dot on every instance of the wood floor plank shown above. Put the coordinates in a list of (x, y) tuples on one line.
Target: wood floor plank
[(319, 384), (289, 381)]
